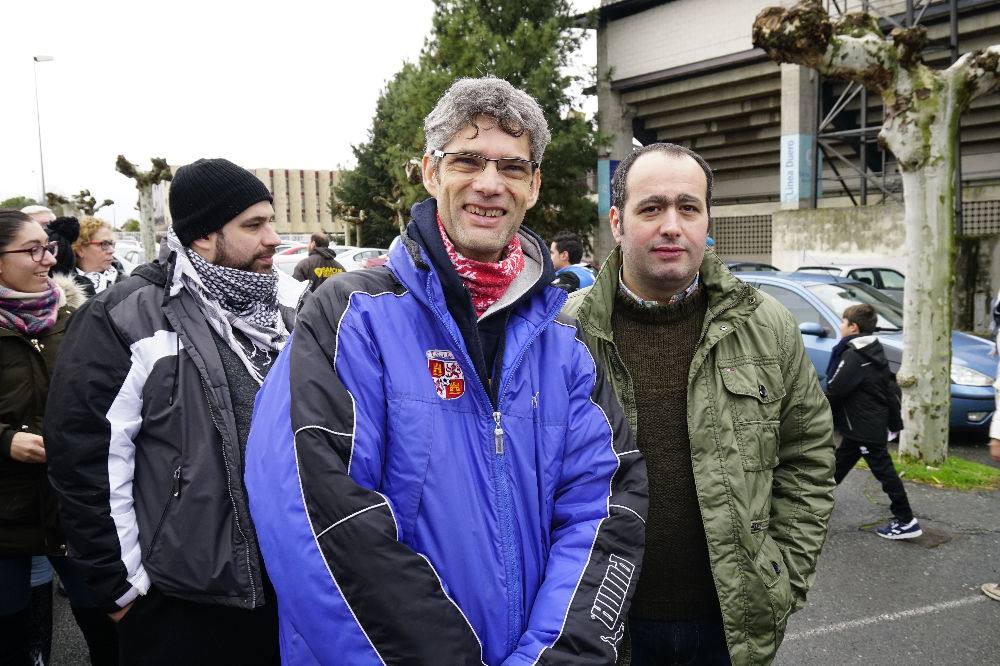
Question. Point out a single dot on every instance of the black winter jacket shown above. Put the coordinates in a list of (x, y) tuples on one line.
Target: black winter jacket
[(862, 393), (29, 523), (317, 267), (144, 453)]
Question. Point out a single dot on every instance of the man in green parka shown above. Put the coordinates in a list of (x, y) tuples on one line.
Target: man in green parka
[(728, 414)]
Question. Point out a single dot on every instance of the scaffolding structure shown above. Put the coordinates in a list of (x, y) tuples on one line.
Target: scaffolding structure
[(837, 125)]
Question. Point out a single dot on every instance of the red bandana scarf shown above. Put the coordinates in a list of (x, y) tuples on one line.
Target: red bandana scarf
[(486, 281)]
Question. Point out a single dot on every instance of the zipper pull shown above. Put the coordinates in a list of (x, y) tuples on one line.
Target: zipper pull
[(177, 482), (498, 433)]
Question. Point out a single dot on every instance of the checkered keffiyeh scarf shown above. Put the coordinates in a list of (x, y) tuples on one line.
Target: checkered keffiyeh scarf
[(29, 313), (233, 299), (100, 280), (486, 281)]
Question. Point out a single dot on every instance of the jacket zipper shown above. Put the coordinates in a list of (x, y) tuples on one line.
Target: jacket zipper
[(232, 500), (511, 560), (511, 570), (175, 492), (498, 433)]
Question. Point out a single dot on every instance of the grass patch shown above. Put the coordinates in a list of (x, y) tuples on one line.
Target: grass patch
[(955, 473)]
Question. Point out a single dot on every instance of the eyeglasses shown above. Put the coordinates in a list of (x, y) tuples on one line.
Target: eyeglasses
[(38, 252), (105, 244), (512, 168)]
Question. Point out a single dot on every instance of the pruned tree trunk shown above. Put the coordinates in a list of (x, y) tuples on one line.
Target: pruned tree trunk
[(147, 235), (922, 107), (144, 182)]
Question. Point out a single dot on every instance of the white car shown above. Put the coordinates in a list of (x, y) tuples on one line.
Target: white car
[(887, 280), (288, 257), (351, 257)]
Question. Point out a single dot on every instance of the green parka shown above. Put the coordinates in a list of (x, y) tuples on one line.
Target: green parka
[(28, 513), (761, 448)]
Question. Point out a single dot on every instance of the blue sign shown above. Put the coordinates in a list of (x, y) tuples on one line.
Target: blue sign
[(605, 170)]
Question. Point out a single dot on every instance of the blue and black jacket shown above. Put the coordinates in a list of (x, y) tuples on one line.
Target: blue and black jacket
[(409, 511)]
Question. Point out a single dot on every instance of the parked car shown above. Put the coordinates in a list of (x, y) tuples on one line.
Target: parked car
[(351, 258), (288, 256), (374, 262), (129, 254), (817, 302), (749, 266), (887, 280)]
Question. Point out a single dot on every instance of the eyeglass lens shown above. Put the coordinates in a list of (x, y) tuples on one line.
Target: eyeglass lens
[(514, 169), (38, 252)]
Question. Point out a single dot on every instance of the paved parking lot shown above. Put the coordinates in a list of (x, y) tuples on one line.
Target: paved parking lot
[(874, 601)]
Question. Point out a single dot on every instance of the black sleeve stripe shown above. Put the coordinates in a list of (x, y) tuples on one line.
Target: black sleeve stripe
[(346, 518), (615, 554)]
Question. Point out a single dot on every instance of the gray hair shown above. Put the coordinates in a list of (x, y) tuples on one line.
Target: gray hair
[(515, 111), (619, 193)]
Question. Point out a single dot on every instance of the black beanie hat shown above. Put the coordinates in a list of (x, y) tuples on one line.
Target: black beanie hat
[(208, 193)]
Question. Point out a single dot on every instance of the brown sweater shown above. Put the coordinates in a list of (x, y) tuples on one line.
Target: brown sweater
[(657, 345)]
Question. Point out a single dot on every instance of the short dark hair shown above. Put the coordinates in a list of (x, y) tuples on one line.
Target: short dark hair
[(567, 241), (11, 222), (619, 193), (320, 240), (864, 316)]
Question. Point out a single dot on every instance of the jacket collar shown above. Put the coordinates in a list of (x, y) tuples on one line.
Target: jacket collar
[(420, 262), (726, 294)]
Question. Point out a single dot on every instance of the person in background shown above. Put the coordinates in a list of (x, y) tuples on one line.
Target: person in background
[(96, 267), (865, 404), (65, 231), (992, 590), (34, 310), (567, 252), (39, 214), (320, 264)]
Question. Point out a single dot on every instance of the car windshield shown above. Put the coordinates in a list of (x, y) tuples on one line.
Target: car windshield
[(839, 296)]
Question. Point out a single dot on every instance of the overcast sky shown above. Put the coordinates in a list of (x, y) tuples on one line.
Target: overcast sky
[(278, 84)]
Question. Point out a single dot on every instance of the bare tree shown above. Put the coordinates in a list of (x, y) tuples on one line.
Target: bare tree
[(144, 182), (922, 106), (83, 202)]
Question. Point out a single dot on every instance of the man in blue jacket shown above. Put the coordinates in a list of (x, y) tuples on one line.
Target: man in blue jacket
[(438, 471)]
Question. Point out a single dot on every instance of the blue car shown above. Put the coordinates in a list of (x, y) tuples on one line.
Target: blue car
[(817, 302)]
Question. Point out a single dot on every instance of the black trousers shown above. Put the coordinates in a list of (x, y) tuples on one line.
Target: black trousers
[(656, 643), (877, 457), (164, 630)]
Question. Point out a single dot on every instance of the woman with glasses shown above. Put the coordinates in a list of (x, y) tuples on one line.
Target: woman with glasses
[(96, 267), (34, 309)]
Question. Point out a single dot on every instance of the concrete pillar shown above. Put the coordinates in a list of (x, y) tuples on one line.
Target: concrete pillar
[(614, 119), (295, 201), (324, 192), (279, 181), (310, 203), (798, 136)]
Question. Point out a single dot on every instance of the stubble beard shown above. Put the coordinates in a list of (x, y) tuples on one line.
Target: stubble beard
[(224, 257)]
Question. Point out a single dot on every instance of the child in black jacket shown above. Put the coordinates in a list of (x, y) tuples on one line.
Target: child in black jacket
[(865, 405)]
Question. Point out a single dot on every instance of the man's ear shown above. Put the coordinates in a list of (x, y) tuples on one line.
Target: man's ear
[(427, 171), (205, 246), (615, 220)]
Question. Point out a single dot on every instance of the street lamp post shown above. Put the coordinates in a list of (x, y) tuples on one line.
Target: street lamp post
[(38, 118)]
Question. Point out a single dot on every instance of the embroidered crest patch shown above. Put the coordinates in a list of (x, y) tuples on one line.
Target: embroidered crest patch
[(449, 381)]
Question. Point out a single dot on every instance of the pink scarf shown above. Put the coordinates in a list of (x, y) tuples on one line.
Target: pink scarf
[(486, 281), (29, 314)]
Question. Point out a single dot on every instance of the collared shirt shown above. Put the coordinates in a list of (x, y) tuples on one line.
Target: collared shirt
[(676, 298)]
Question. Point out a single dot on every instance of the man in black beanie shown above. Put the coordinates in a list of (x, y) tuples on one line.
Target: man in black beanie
[(156, 391)]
